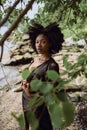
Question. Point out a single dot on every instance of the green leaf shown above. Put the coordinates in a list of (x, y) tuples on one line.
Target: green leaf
[(68, 109), (54, 106), (82, 58), (46, 88), (25, 74), (52, 75), (56, 114), (50, 98), (85, 69), (19, 119), (32, 120), (3, 1), (39, 102), (61, 85), (33, 100), (36, 101), (66, 63), (58, 108), (36, 84), (62, 96), (62, 114)]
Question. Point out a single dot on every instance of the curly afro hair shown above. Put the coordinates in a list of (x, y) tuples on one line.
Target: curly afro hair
[(53, 34)]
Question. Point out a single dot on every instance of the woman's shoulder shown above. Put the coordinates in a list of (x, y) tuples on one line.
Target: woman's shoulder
[(53, 65), (52, 62)]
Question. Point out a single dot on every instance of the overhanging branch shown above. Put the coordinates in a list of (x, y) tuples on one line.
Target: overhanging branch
[(15, 24), (9, 12), (1, 53)]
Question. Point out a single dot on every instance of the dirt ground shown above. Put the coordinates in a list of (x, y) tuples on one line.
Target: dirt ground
[(9, 102)]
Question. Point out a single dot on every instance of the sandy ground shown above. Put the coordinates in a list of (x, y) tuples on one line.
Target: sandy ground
[(9, 102)]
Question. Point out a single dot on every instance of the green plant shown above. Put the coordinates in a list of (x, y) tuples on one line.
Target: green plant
[(55, 100), (60, 108), (78, 68)]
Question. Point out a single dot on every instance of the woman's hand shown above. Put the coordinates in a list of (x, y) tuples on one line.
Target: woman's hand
[(24, 84), (26, 88)]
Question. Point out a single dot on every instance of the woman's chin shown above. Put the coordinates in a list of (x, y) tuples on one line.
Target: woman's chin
[(39, 52)]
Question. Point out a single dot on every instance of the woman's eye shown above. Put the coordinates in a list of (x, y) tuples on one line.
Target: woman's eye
[(36, 41), (44, 41)]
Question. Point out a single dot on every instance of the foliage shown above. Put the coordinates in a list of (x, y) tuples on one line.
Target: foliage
[(25, 74), (80, 67), (13, 16), (60, 108), (19, 119), (70, 15), (33, 120), (56, 101)]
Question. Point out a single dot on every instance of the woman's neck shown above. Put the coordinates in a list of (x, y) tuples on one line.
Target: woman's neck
[(44, 57)]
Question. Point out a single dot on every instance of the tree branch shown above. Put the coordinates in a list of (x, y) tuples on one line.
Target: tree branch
[(9, 12), (73, 90), (1, 53), (15, 24)]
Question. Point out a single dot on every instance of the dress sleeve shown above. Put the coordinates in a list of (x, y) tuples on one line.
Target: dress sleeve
[(53, 66)]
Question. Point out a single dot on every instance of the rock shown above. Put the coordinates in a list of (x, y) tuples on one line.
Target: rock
[(20, 53), (14, 48), (9, 76), (18, 57), (5, 58), (25, 49), (69, 42), (19, 62), (23, 67), (81, 42), (25, 37)]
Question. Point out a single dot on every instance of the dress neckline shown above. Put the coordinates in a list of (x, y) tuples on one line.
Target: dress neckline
[(41, 64), (44, 62)]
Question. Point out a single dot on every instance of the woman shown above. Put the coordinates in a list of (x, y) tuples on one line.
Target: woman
[(45, 41)]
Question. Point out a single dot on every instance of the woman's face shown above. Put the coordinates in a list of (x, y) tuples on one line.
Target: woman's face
[(41, 44)]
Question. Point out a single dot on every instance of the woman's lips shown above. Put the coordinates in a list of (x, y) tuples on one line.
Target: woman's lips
[(39, 49)]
